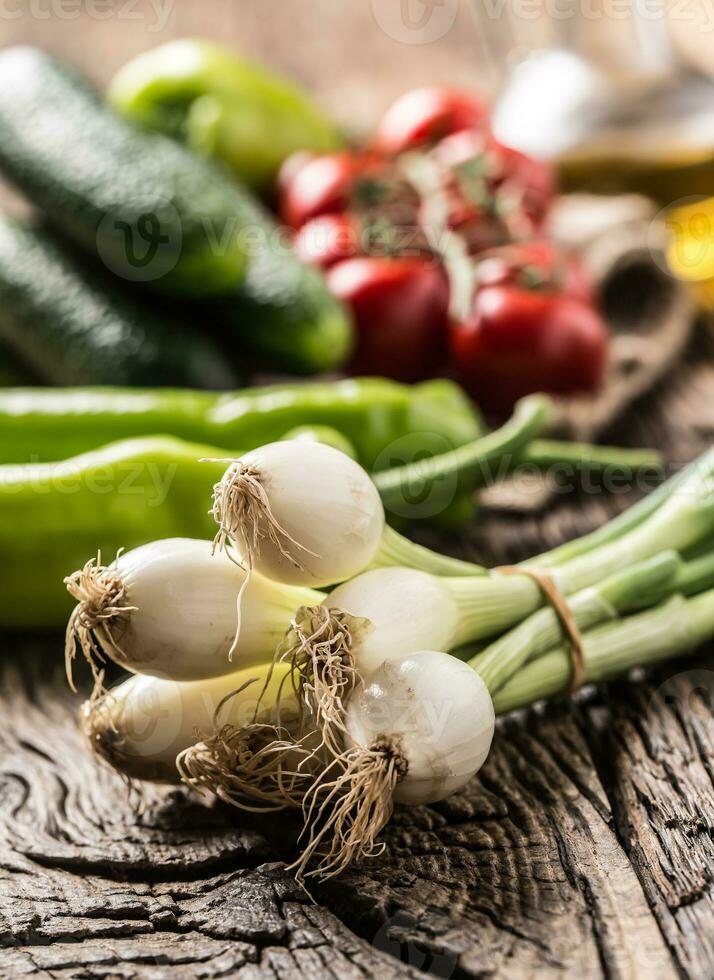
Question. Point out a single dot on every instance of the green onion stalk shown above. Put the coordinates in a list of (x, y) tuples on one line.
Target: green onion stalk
[(420, 724), (679, 516), (674, 628), (385, 712)]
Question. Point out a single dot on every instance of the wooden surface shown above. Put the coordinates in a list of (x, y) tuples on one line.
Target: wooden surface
[(583, 849)]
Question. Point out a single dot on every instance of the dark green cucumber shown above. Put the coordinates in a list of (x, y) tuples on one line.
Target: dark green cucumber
[(282, 312), (156, 213), (71, 328), (14, 373), (152, 210)]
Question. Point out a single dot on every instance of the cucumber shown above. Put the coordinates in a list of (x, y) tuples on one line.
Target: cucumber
[(282, 312), (149, 207), (71, 328), (13, 373), (157, 214)]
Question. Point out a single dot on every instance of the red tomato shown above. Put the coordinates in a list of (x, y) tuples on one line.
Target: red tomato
[(400, 308), (517, 342), (534, 179), (537, 264), (494, 195), (426, 114), (290, 167), (320, 185), (328, 239)]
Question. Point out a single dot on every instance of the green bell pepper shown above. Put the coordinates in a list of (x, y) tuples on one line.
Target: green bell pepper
[(206, 96)]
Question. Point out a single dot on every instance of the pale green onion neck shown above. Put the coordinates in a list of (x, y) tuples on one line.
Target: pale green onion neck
[(396, 550), (292, 597), (490, 604)]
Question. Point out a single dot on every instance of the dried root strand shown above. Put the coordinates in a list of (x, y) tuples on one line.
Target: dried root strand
[(345, 812), (258, 768), (242, 511), (101, 596), (279, 763), (318, 648), (97, 723)]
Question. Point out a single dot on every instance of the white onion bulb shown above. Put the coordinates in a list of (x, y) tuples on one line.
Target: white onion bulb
[(180, 614), (326, 518), (435, 712), (143, 724)]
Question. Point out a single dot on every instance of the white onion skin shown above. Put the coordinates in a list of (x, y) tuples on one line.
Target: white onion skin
[(146, 722), (327, 503), (408, 609), (436, 712), (186, 611)]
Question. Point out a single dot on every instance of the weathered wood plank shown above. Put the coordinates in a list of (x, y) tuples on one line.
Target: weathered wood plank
[(520, 875), (522, 872), (96, 883), (660, 749)]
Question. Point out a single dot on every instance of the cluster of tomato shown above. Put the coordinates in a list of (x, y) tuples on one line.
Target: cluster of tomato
[(381, 222)]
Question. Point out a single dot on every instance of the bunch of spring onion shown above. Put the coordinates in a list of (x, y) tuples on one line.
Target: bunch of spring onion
[(363, 703), (168, 608), (401, 719)]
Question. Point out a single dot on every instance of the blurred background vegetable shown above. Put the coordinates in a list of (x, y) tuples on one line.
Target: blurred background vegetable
[(430, 239), (386, 423), (382, 223), (69, 324), (219, 104), (162, 218)]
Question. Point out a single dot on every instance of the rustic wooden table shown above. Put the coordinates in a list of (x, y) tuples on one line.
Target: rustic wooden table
[(584, 848)]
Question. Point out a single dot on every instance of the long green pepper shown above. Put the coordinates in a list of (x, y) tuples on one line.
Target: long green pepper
[(386, 422), (53, 516)]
